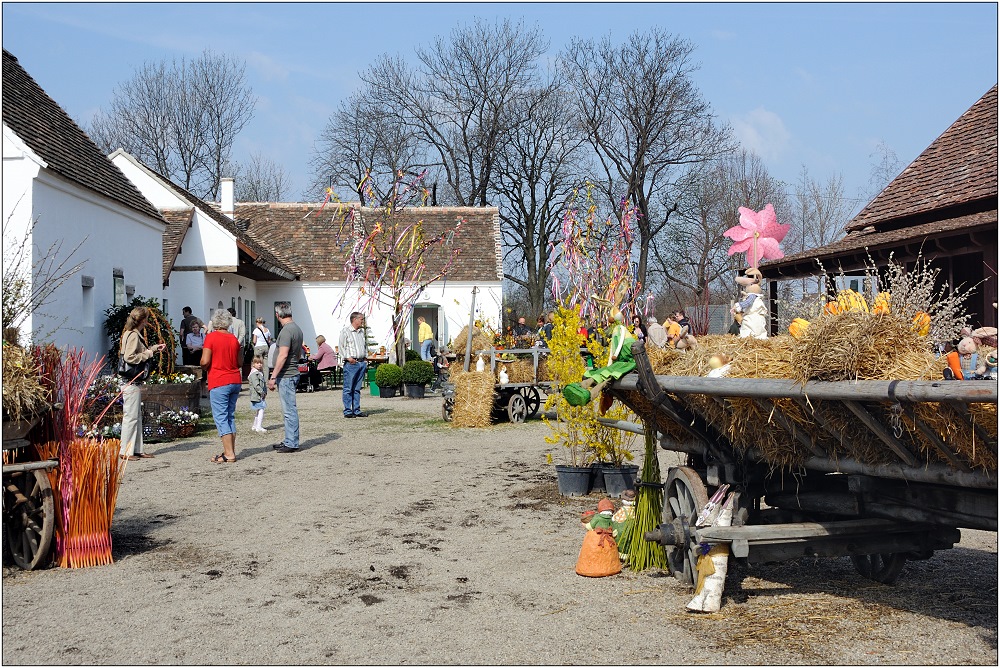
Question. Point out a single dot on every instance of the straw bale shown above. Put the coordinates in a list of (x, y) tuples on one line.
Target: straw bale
[(958, 436), (521, 371), (479, 342), (473, 399)]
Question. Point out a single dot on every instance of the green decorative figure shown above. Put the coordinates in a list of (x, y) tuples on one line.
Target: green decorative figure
[(620, 362)]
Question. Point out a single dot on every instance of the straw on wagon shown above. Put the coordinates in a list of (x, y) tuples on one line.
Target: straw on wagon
[(479, 342), (23, 393), (473, 399)]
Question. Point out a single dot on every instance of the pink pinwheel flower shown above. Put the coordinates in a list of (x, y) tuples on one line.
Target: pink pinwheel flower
[(757, 235)]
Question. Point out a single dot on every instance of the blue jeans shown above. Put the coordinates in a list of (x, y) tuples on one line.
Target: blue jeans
[(354, 374), (223, 402), (286, 390), (425, 349)]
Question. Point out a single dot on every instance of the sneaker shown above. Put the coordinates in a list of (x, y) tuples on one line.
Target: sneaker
[(286, 449), (277, 446), (349, 415), (360, 415)]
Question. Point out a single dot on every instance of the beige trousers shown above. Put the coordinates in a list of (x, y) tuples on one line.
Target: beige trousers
[(132, 421)]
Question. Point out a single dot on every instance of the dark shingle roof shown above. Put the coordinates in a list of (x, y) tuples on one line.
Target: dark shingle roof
[(178, 222), (312, 240), (45, 128), (959, 167), (870, 239)]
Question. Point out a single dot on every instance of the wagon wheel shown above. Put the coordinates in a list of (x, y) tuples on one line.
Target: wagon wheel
[(517, 409), (532, 399), (884, 568), (29, 516), (447, 407), (684, 497)]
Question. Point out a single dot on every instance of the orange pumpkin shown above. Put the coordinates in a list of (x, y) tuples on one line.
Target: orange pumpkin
[(798, 327), (832, 308), (881, 304), (922, 323)]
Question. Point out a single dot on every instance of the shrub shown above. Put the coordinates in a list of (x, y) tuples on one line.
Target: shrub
[(412, 355), (418, 372), (388, 375)]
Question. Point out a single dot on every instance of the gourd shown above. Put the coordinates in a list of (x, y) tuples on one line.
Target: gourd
[(798, 327), (922, 323)]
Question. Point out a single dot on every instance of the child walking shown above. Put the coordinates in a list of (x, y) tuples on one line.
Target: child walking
[(258, 390)]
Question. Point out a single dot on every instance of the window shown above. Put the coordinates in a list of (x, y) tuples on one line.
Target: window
[(119, 280), (166, 307), (250, 310), (87, 302)]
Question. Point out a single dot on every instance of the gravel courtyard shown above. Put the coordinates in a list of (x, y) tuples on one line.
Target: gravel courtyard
[(398, 539)]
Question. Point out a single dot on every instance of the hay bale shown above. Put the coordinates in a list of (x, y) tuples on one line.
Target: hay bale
[(479, 342), (521, 371), (474, 395)]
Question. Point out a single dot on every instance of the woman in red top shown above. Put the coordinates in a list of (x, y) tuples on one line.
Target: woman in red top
[(222, 361)]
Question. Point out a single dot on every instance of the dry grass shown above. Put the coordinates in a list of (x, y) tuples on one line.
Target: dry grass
[(23, 394), (473, 399)]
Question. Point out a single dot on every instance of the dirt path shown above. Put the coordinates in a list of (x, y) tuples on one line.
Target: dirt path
[(398, 539)]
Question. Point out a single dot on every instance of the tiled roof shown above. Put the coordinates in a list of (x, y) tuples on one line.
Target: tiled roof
[(44, 127), (178, 222), (312, 240), (959, 167), (873, 240)]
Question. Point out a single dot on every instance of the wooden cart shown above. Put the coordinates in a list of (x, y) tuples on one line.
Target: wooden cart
[(28, 505), (518, 401), (879, 515)]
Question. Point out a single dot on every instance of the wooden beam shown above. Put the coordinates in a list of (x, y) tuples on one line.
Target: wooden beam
[(789, 426), (879, 430), (935, 439), (823, 422)]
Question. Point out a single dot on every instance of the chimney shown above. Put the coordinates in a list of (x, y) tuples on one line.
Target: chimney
[(227, 197)]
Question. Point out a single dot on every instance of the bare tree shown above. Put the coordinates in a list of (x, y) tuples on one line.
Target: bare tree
[(884, 168), (536, 174), (691, 253), (819, 214), (457, 101), (363, 139), (646, 119), (181, 119), (260, 179)]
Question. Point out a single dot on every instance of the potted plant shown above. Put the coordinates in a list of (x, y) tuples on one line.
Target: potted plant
[(416, 375), (610, 451), (388, 376), (569, 429)]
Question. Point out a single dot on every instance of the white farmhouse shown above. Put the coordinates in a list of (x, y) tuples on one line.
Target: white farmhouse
[(58, 185)]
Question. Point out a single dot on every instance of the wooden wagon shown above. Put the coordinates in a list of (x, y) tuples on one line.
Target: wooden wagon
[(28, 505), (880, 514), (518, 401)]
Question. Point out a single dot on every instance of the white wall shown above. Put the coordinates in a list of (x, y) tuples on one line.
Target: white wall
[(313, 307), (108, 234)]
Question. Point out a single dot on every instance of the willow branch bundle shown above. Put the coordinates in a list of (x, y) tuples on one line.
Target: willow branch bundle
[(643, 554), (85, 486)]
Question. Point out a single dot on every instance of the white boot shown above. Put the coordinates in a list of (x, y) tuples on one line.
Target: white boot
[(258, 423)]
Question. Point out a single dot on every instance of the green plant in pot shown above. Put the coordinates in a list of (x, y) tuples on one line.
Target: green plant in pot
[(388, 378), (416, 375)]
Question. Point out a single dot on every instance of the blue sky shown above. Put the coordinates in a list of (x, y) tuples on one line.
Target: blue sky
[(818, 85)]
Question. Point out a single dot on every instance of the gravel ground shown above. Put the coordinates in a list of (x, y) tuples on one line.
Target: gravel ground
[(398, 539)]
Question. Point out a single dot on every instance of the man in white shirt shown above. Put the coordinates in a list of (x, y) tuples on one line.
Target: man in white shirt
[(354, 350)]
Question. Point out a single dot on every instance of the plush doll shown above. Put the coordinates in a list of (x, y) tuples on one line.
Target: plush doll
[(962, 362), (987, 369), (599, 552), (620, 361), (752, 307), (719, 365)]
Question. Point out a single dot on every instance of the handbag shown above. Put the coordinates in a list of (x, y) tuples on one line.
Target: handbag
[(132, 372)]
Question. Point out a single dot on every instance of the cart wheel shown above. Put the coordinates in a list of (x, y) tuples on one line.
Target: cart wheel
[(884, 568), (517, 409), (29, 516), (533, 400), (684, 497), (447, 406)]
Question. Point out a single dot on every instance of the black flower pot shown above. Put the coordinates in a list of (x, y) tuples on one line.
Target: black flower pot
[(573, 480), (617, 479), (387, 392), (415, 391)]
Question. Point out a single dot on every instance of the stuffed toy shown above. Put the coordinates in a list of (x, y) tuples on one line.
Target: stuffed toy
[(752, 307), (599, 552), (962, 362), (719, 365), (620, 360)]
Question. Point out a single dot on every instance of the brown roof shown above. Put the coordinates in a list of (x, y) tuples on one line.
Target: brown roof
[(858, 241), (45, 128), (313, 240), (178, 222), (959, 167)]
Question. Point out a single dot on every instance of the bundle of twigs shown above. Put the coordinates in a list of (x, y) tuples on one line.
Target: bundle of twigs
[(644, 554), (85, 486), (86, 482)]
